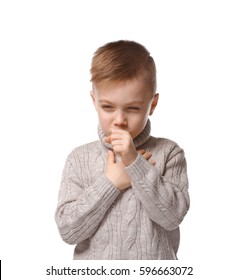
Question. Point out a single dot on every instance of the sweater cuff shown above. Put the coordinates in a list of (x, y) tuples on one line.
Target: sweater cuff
[(139, 168), (106, 190)]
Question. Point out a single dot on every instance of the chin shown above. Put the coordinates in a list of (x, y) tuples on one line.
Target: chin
[(134, 135)]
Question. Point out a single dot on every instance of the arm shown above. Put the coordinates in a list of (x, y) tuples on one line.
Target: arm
[(164, 194), (80, 210)]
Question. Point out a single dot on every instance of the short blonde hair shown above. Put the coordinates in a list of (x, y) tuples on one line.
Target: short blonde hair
[(121, 61)]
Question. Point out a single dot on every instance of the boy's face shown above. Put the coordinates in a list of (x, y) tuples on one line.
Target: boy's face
[(125, 105)]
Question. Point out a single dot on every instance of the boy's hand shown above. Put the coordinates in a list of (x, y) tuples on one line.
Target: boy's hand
[(116, 172), (147, 156), (122, 144)]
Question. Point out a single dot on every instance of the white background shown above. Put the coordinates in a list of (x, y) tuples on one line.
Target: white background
[(46, 111)]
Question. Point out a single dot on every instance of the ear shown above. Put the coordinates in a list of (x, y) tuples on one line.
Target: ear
[(154, 103), (93, 99)]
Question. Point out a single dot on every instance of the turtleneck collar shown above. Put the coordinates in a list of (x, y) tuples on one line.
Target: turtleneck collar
[(138, 141)]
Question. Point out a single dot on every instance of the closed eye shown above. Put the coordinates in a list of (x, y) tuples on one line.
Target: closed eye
[(106, 107), (133, 108)]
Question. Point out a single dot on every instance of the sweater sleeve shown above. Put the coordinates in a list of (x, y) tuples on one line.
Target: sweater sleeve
[(163, 194), (80, 209)]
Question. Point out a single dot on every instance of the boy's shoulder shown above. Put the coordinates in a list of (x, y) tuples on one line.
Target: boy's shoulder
[(160, 141), (164, 145), (84, 149)]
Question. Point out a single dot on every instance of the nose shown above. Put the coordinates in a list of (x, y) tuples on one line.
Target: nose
[(120, 119)]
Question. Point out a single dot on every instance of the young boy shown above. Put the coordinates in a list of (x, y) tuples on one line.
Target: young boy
[(123, 196)]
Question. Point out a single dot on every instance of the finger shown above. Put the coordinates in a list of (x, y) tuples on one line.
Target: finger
[(108, 139), (117, 142), (117, 136), (117, 149), (120, 133), (141, 152), (147, 155), (110, 157), (152, 162)]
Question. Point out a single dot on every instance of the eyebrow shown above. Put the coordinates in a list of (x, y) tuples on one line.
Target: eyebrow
[(128, 104)]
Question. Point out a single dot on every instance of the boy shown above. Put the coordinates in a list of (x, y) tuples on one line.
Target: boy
[(123, 196)]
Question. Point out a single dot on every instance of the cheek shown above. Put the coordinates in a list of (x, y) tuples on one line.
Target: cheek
[(139, 120), (137, 124), (104, 120)]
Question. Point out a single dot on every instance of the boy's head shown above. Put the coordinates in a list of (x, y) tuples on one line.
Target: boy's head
[(121, 61), (124, 86)]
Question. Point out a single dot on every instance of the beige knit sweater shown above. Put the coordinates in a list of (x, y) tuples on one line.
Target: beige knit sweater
[(141, 222)]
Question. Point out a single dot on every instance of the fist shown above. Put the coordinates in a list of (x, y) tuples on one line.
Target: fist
[(122, 144)]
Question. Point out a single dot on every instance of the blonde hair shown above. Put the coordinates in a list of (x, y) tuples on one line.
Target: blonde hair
[(121, 61)]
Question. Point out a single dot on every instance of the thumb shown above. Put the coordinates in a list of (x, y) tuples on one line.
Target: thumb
[(108, 139), (111, 157)]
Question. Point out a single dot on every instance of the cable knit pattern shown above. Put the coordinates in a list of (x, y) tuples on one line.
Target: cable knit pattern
[(141, 222)]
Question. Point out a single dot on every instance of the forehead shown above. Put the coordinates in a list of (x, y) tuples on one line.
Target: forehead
[(129, 91)]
